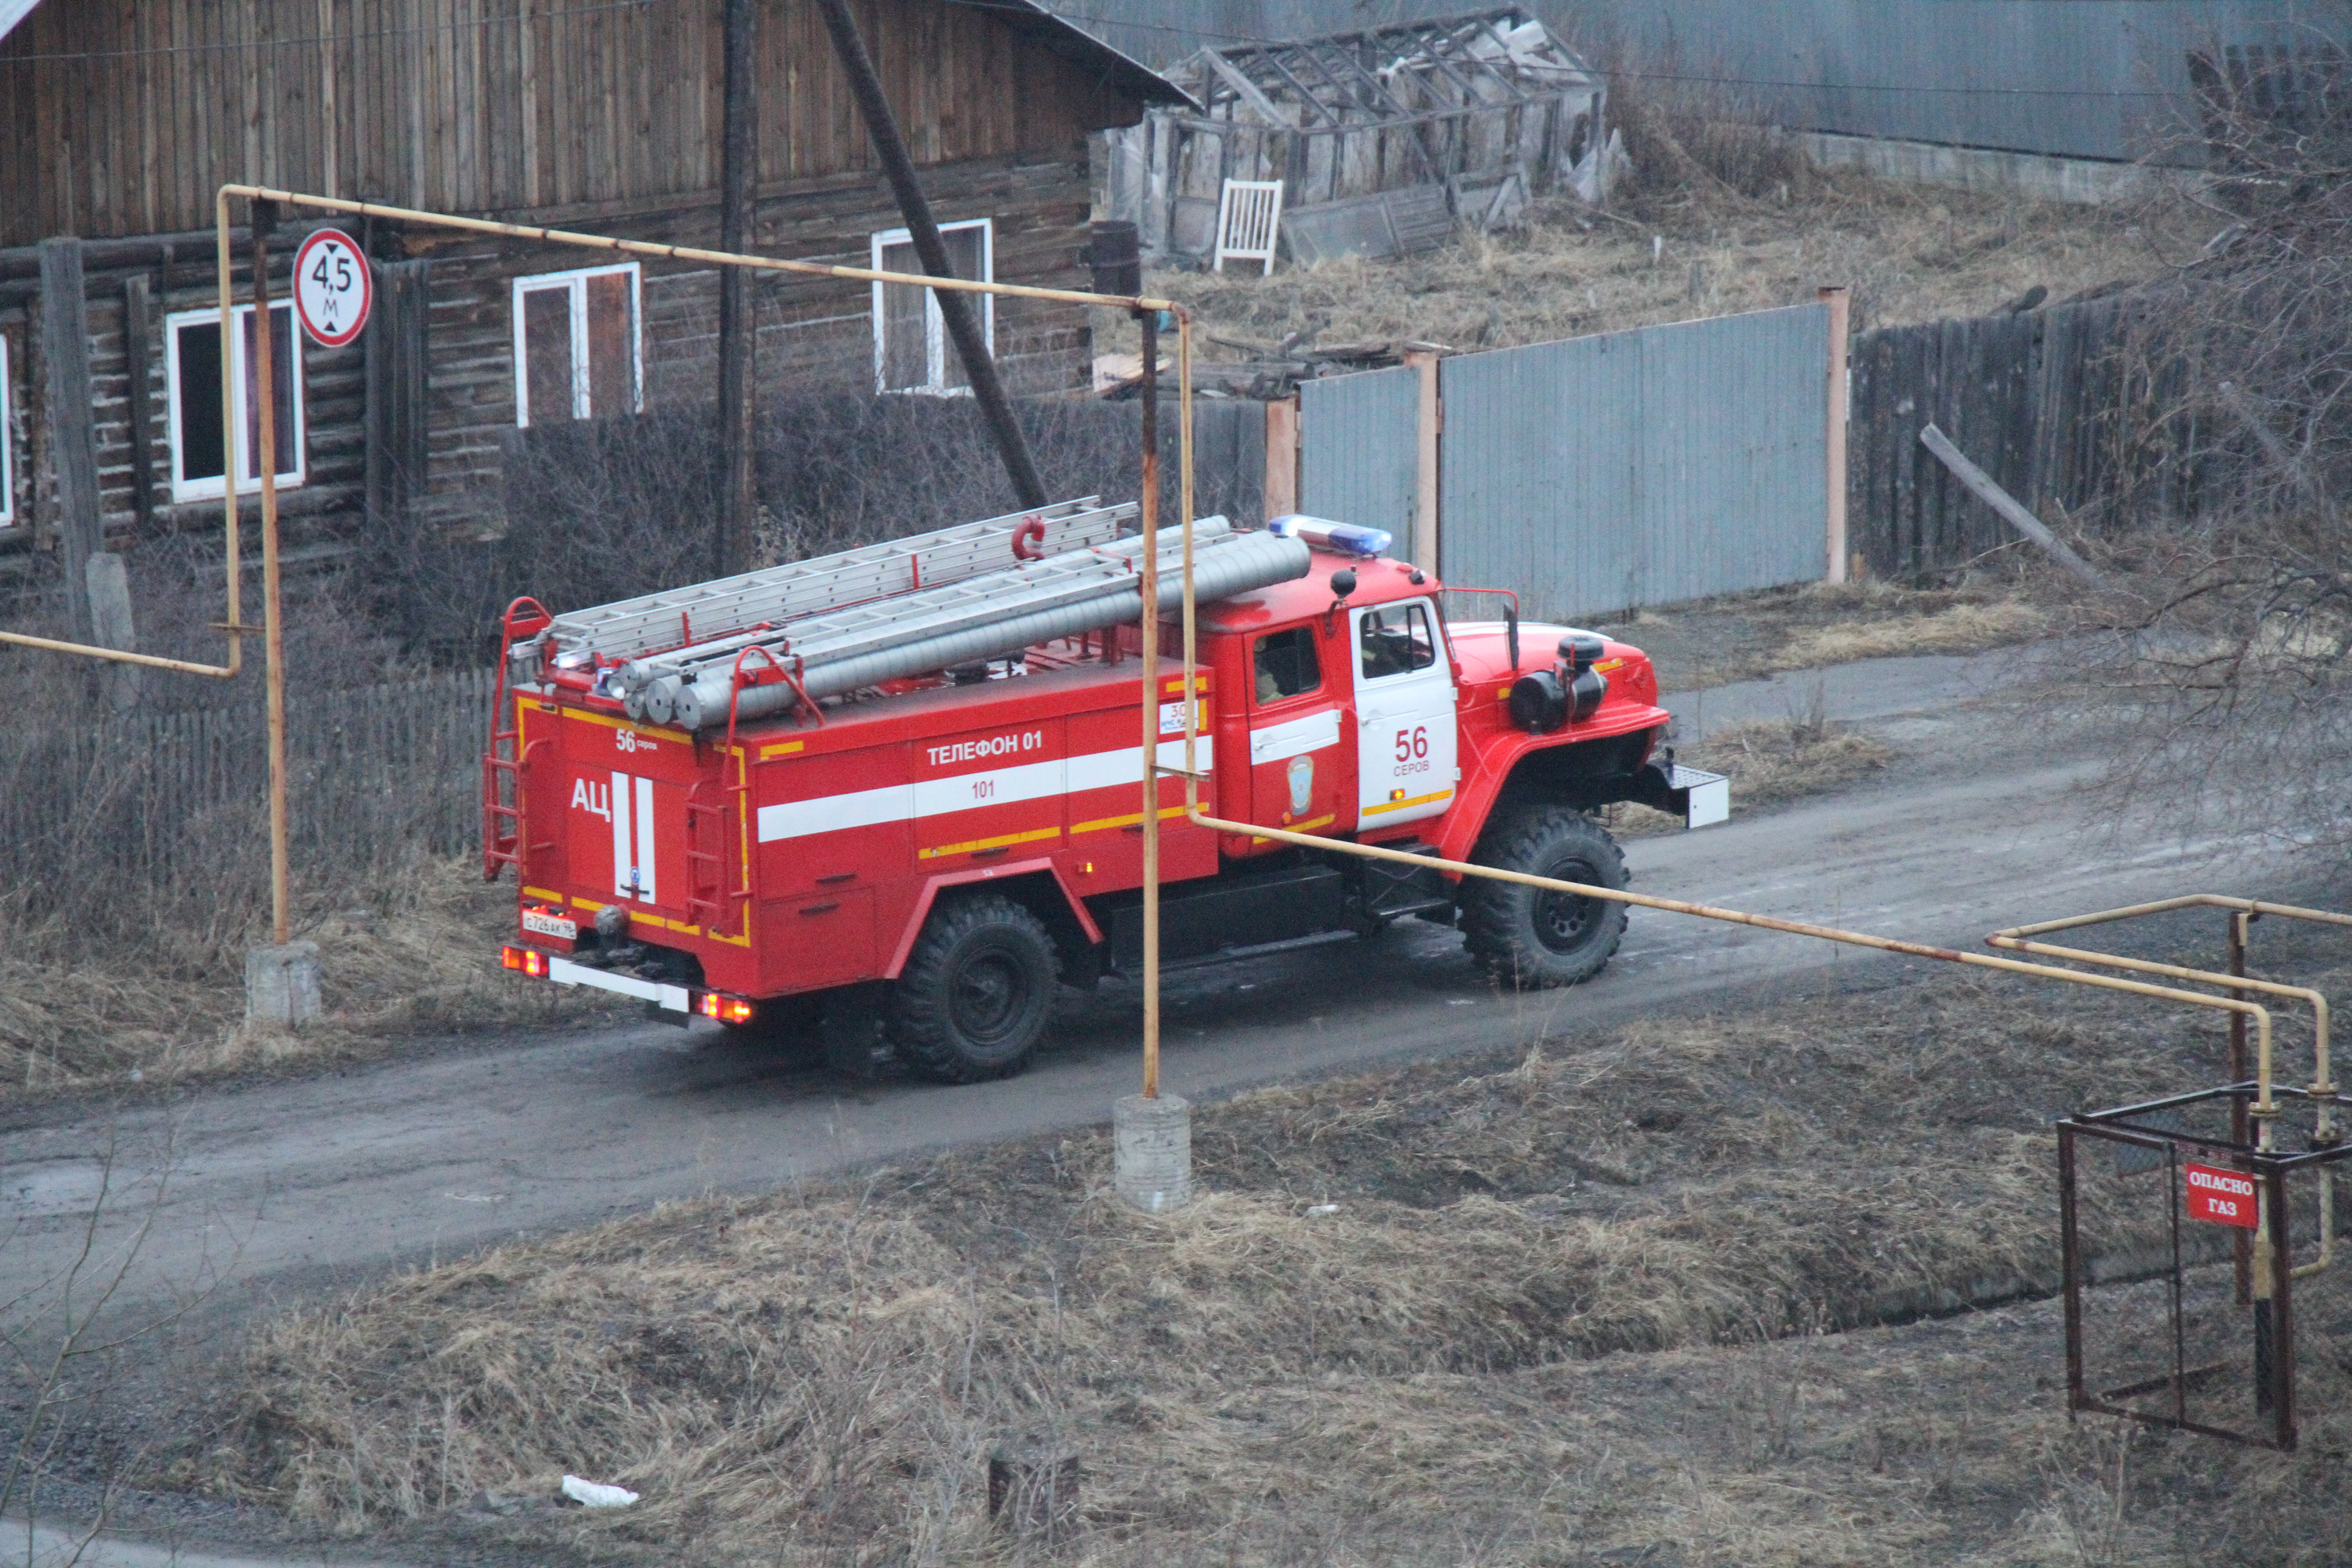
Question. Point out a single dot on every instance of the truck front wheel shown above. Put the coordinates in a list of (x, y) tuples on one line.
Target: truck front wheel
[(1532, 938), (977, 991)]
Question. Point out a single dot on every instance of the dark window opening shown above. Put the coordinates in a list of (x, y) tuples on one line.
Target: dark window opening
[(199, 393), (1287, 664), (1396, 640)]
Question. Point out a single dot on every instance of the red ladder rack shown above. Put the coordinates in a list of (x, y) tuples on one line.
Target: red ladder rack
[(502, 764), (708, 897)]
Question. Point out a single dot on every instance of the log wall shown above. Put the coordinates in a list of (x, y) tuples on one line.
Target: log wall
[(120, 120)]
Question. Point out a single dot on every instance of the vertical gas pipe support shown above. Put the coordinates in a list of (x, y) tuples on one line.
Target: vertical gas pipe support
[(1149, 639), (1151, 1133), (264, 218), (1184, 500), (2241, 1248), (230, 431), (2267, 1211)]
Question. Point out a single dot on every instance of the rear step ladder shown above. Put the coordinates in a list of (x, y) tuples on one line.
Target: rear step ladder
[(503, 764)]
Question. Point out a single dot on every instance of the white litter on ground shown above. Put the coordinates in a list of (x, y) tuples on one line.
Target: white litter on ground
[(596, 1494)]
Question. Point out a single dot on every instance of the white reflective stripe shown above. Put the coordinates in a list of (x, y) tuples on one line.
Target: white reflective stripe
[(563, 972), (940, 797), (1107, 770), (646, 839), (621, 857), (963, 792), (1294, 737), (836, 813)]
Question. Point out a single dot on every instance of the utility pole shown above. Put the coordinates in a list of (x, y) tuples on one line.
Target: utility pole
[(955, 308), (738, 178)]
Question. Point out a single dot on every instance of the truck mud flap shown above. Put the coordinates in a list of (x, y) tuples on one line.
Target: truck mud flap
[(1232, 913)]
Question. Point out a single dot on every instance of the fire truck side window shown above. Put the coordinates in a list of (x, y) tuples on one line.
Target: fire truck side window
[(1286, 665), (1396, 640)]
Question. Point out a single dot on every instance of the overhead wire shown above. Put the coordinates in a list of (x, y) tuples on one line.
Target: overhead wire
[(313, 39), (1082, 23), (1089, 23)]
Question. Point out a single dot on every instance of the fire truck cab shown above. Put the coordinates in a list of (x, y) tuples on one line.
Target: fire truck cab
[(922, 855)]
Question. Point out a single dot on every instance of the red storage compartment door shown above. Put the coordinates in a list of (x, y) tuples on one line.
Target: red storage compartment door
[(827, 831), (989, 795), (623, 792), (1107, 795)]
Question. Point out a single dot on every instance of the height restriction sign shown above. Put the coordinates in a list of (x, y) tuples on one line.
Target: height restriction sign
[(332, 289)]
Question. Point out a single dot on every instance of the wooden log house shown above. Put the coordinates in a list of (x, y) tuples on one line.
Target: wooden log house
[(119, 121)]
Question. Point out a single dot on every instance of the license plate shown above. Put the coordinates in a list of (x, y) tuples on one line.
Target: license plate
[(546, 923)]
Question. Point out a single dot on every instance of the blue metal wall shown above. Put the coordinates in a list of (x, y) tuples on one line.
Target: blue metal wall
[(2089, 79)]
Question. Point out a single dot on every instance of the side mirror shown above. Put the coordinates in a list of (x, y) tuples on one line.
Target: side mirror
[(1343, 583)]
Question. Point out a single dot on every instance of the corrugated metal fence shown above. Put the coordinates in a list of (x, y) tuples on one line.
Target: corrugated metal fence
[(1359, 449), (1598, 474), (373, 773), (1640, 467)]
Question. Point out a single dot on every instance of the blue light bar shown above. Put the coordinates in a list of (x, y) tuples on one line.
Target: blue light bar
[(1346, 538)]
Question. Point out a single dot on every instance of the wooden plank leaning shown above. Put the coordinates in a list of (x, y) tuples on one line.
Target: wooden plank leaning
[(1981, 483)]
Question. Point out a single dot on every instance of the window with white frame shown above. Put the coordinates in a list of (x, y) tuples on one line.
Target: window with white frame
[(7, 438), (192, 376), (911, 350), (575, 344)]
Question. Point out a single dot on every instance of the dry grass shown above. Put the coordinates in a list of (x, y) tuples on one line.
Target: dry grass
[(1767, 761), (1773, 760), (1372, 1339), (413, 952), (1961, 628), (1909, 252), (1746, 636)]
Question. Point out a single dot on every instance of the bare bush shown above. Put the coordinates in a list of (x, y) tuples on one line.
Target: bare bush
[(2233, 620), (600, 511), (1691, 129)]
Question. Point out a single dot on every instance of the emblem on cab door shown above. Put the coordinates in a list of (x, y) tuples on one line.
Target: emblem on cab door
[(1302, 785)]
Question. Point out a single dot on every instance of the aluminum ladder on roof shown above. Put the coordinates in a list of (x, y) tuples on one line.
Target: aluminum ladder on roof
[(707, 613), (929, 615)]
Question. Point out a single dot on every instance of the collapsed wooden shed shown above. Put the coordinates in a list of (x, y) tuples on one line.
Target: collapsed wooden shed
[(1384, 140)]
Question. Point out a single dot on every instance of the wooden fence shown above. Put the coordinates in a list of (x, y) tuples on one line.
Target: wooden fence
[(2081, 411), (374, 773)]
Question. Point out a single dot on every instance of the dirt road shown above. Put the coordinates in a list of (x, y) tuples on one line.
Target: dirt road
[(276, 1188)]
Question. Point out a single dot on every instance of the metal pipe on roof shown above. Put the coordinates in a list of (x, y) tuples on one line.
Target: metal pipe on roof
[(1248, 561)]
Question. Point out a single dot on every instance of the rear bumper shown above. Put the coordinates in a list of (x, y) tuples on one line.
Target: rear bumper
[(676, 998), (540, 965)]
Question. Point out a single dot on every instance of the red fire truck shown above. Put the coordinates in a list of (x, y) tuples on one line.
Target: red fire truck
[(894, 794)]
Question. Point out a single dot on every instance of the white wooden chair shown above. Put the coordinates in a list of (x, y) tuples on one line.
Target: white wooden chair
[(1249, 221)]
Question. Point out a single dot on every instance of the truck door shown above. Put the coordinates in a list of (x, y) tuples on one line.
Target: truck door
[(1404, 715), (1296, 759)]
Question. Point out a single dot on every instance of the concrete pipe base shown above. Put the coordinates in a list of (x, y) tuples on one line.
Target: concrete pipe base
[(281, 985), (1151, 1152)]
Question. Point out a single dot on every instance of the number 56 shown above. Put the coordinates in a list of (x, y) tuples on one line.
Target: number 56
[(1412, 743)]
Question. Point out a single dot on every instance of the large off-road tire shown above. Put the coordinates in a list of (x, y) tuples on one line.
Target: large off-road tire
[(977, 991), (1531, 938)]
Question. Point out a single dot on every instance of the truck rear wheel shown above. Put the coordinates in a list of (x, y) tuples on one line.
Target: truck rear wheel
[(977, 991), (1532, 938)]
